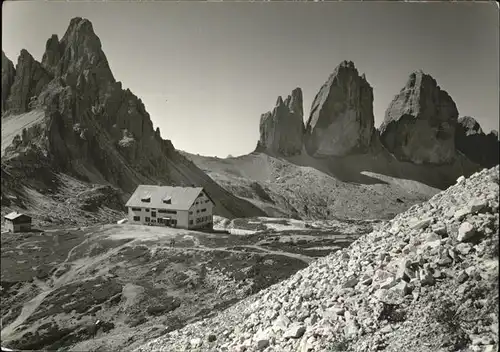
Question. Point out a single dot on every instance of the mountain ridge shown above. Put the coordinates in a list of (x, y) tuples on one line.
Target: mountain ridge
[(93, 129)]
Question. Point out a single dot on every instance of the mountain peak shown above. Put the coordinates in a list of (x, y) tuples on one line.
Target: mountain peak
[(79, 50), (341, 120), (419, 124), (281, 130), (8, 75), (81, 25)]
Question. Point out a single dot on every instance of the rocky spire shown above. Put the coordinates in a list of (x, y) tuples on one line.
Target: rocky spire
[(281, 130), (341, 120), (80, 52), (30, 80), (8, 75), (52, 54), (419, 125)]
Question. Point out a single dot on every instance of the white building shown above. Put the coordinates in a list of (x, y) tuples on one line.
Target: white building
[(183, 207)]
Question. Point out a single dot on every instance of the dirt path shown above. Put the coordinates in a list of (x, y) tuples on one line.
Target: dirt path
[(77, 268), (84, 264), (303, 258), (28, 309)]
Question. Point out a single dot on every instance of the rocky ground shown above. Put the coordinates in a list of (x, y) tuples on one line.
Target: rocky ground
[(57, 200), (57, 283), (425, 281)]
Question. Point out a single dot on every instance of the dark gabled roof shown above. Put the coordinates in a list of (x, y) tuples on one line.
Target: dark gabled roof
[(181, 198)]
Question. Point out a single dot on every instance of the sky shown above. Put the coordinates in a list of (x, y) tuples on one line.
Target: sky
[(206, 71)]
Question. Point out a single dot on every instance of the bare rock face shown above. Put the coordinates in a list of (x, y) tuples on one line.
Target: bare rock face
[(282, 129), (94, 129), (81, 54), (8, 75), (341, 121), (479, 147), (52, 54), (419, 125), (30, 79)]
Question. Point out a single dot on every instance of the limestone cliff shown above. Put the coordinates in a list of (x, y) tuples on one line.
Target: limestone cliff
[(479, 147), (341, 121), (93, 128), (282, 129), (29, 81), (8, 75), (419, 125)]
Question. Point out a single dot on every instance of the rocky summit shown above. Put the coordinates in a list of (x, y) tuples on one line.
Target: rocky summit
[(419, 124), (341, 121), (426, 280), (479, 147), (29, 81), (282, 129), (8, 74)]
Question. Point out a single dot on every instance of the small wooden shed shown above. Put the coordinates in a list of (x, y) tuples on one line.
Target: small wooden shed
[(17, 222)]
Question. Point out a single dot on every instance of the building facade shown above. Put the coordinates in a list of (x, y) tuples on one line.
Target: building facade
[(17, 222), (182, 207)]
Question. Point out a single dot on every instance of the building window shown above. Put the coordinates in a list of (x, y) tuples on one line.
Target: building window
[(137, 218), (190, 222), (206, 201), (198, 210), (153, 214), (164, 211), (136, 209), (146, 199), (147, 210), (190, 213), (147, 219), (203, 210)]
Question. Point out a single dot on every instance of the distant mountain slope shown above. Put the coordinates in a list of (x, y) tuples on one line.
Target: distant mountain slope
[(340, 165), (69, 116), (358, 186)]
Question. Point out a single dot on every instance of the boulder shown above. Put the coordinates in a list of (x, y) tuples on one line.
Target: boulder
[(282, 129), (341, 121), (419, 125)]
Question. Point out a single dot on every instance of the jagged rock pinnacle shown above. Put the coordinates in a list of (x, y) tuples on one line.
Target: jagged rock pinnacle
[(419, 125), (341, 121)]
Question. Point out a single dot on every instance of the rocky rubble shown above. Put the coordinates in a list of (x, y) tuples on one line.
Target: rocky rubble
[(425, 281)]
